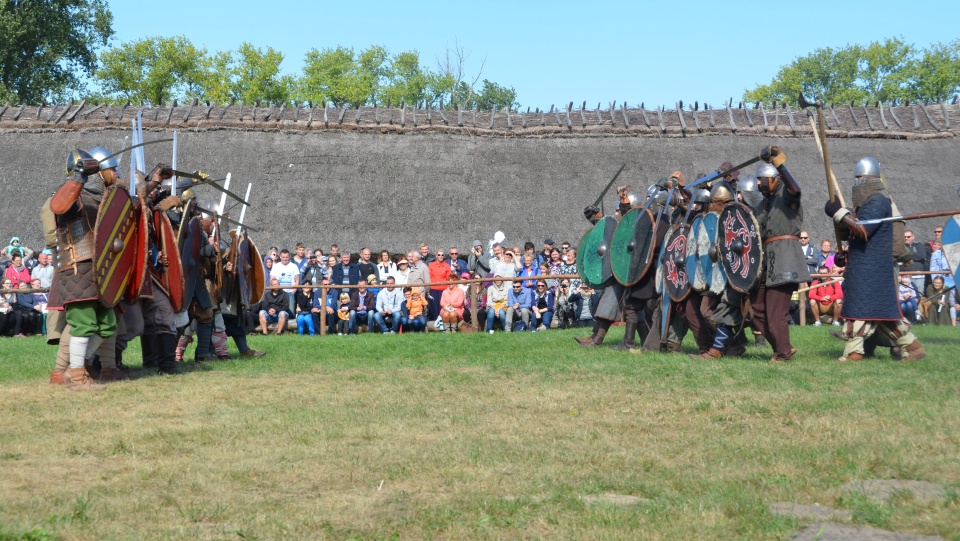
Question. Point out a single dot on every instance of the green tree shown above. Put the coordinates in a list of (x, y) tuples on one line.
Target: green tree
[(342, 77), (936, 74), (154, 69), (494, 95), (828, 74), (884, 69), (46, 45), (248, 75), (406, 81)]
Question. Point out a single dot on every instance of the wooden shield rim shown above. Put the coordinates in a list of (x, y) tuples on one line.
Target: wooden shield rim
[(759, 264), (174, 266), (109, 196), (184, 230), (135, 286), (684, 230), (951, 250), (258, 274)]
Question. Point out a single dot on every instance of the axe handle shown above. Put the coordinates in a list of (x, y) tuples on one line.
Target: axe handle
[(827, 283), (833, 191)]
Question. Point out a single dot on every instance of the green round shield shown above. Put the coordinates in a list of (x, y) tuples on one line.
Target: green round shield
[(593, 253), (632, 246)]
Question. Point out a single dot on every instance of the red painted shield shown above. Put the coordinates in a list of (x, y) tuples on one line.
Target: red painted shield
[(171, 279), (115, 232), (258, 278), (141, 248)]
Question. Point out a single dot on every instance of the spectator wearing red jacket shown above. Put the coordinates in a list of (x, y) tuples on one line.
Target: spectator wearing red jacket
[(826, 300)]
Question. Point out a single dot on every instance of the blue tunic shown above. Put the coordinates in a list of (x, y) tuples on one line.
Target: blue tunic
[(870, 290)]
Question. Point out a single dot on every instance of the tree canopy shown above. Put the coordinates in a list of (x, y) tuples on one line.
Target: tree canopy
[(880, 71), (47, 46)]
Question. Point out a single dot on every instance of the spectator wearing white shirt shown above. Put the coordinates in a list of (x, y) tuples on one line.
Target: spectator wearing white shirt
[(287, 273)]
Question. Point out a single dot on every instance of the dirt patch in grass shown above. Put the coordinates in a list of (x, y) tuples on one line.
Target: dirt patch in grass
[(842, 532), (885, 489), (810, 512)]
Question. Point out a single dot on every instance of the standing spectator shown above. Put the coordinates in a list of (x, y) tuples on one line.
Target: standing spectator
[(334, 252), (826, 300), (346, 274), (938, 262), (402, 274), (569, 266), (415, 308), (552, 283), (389, 303), (40, 302), (311, 273), (300, 256), (475, 262), (497, 297), (367, 266), (268, 266), (362, 305), (451, 305), (531, 250), (921, 258), (542, 307), (288, 274), (44, 269), (273, 308), (457, 265), (499, 266), (328, 263), (425, 254), (547, 248), (937, 238), (555, 261), (385, 267), (419, 274), (439, 272), (564, 248), (305, 301), (809, 253), (825, 255), (583, 297), (15, 246), (519, 302)]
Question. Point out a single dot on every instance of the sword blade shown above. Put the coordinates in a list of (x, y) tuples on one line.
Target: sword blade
[(721, 174), (607, 189), (117, 153), (224, 218)]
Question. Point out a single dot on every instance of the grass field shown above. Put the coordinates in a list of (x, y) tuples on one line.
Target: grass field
[(473, 436)]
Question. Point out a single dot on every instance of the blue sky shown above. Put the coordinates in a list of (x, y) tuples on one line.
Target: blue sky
[(560, 51)]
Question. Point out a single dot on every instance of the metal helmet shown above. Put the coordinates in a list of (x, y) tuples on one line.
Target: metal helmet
[(748, 184), (661, 198), (721, 192), (767, 170), (868, 166), (105, 157), (701, 196), (187, 195), (75, 159)]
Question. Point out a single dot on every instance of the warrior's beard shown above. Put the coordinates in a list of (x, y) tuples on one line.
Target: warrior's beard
[(865, 189)]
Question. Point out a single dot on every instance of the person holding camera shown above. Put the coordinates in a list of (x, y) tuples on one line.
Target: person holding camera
[(475, 262), (564, 307)]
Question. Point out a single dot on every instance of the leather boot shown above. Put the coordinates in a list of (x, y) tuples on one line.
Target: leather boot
[(166, 354), (851, 357), (585, 342), (111, 374), (629, 336), (80, 380), (600, 334), (710, 355), (148, 343), (59, 377), (673, 347), (913, 352)]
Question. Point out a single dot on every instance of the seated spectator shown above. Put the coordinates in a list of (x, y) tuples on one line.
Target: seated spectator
[(343, 314), (542, 307), (274, 308), (373, 286), (938, 262), (565, 308), (40, 302), (44, 269), (362, 306), (6, 308), (17, 272), (583, 297), (405, 323), (416, 308), (305, 302), (939, 300), (908, 299), (451, 305), (385, 266), (519, 302), (552, 283), (528, 269), (465, 275), (497, 297), (825, 300), (328, 305), (388, 307)]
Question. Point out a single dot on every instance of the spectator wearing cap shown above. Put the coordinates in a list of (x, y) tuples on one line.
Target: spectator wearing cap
[(547, 248), (385, 266), (312, 273), (402, 274), (476, 263), (44, 269)]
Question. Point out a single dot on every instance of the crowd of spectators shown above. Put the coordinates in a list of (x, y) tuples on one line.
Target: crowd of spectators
[(929, 298), (24, 314), (385, 294)]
